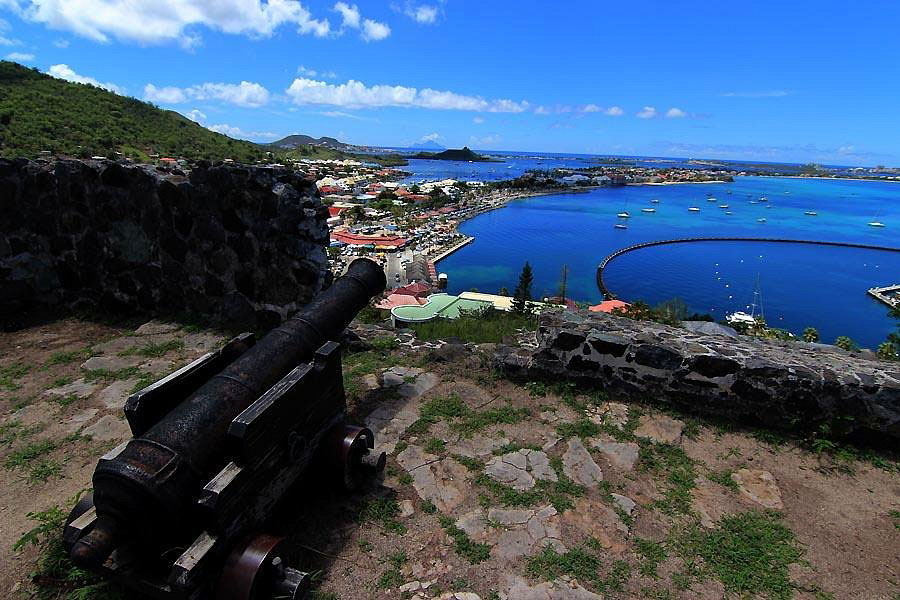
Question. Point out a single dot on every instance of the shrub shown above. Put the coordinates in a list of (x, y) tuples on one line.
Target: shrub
[(811, 334)]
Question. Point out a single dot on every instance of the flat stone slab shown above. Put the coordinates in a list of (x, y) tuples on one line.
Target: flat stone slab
[(621, 455), (477, 446), (709, 500), (79, 388), (521, 468), (33, 413), (660, 428), (514, 532), (115, 394), (625, 503), (108, 428), (152, 327), (579, 466), (444, 482), (758, 486), (609, 413), (518, 588), (77, 421), (111, 363), (599, 521), (390, 419)]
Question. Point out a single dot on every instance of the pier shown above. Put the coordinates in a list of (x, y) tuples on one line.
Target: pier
[(890, 295), (445, 253), (608, 295)]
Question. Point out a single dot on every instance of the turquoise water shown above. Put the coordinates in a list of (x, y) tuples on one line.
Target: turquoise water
[(801, 285)]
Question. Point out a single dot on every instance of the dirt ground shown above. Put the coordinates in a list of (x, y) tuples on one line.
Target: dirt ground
[(492, 489)]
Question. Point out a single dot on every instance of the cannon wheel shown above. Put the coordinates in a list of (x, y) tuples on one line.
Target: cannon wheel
[(255, 572)]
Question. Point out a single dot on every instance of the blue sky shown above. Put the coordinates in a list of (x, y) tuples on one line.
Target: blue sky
[(762, 80)]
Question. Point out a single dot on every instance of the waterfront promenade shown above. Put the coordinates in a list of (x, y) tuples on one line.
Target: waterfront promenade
[(890, 295), (607, 294)]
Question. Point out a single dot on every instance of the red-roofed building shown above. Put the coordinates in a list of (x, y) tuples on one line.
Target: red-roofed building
[(608, 306), (379, 241), (399, 300), (335, 211), (330, 189), (418, 289)]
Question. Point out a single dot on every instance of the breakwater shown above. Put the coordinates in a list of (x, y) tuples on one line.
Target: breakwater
[(607, 294)]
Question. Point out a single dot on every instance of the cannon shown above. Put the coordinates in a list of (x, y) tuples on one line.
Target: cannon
[(179, 511)]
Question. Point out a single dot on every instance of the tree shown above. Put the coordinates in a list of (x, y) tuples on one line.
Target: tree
[(522, 295), (503, 291), (810, 334), (672, 311), (845, 343), (563, 283)]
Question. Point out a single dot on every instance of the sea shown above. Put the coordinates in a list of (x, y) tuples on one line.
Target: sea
[(793, 286)]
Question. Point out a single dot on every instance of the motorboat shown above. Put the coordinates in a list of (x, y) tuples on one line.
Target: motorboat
[(694, 209), (762, 220), (811, 213), (876, 224), (723, 206), (623, 215), (648, 210), (620, 226)]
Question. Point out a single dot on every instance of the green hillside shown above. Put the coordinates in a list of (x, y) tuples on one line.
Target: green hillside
[(39, 112)]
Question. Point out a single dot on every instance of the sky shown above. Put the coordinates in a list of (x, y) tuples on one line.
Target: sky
[(785, 81)]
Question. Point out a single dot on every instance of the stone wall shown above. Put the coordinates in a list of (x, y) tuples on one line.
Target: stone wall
[(242, 244), (772, 383)]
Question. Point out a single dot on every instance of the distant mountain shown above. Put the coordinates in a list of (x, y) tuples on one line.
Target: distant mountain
[(429, 145), (295, 141), (39, 112), (464, 155)]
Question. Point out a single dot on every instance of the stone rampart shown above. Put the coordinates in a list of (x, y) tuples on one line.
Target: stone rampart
[(773, 383), (242, 244)]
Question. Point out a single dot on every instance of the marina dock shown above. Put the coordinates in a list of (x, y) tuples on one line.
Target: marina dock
[(451, 250), (890, 295)]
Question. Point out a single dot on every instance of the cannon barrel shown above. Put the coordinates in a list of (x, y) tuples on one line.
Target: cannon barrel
[(158, 476)]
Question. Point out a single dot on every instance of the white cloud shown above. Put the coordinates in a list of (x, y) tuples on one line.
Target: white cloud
[(846, 150), (431, 137), (421, 14), (355, 94), (237, 132), (245, 93), (4, 41), (20, 57), (196, 115), (374, 31), (542, 110), (761, 94), (612, 111), (152, 21), (484, 142), (63, 71), (349, 14), (478, 120), (648, 112), (61, 43), (307, 72), (675, 113), (335, 114), (164, 95), (370, 31)]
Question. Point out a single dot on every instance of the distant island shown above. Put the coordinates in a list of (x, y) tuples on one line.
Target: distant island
[(461, 155)]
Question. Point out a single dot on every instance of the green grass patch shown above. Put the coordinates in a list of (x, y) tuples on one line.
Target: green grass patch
[(583, 428), (10, 373), (435, 446), (44, 470), (679, 471), (405, 478), (92, 375), (750, 553), (428, 507), (723, 478), (385, 512), (490, 327), (24, 456), (364, 363), (461, 418), (581, 564), (64, 358), (393, 577), (474, 552), (652, 555), (558, 493), (384, 343), (895, 517)]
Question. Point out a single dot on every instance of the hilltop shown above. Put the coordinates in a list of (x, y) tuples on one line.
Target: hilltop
[(463, 154), (39, 112), (292, 142)]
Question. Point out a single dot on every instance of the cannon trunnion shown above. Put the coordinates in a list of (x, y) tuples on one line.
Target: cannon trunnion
[(181, 510)]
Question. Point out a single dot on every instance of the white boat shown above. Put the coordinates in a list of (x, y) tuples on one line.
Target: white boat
[(811, 213), (753, 202), (620, 226), (723, 206), (763, 199), (650, 210), (623, 215), (694, 209), (728, 212), (763, 220), (655, 201), (740, 317), (710, 199), (876, 224)]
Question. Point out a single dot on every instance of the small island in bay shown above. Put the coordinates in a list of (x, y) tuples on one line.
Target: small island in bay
[(465, 154)]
